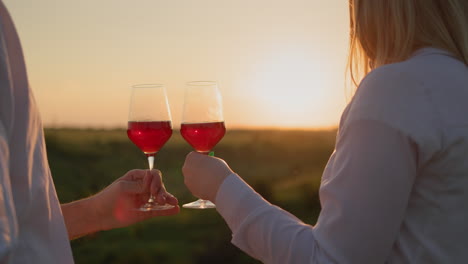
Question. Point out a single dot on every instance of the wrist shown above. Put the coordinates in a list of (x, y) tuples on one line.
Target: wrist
[(101, 209), (217, 186), (94, 211), (91, 214), (80, 218)]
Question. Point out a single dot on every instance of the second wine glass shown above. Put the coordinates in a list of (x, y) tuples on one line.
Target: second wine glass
[(202, 123)]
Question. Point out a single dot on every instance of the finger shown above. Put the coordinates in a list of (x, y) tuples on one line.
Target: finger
[(134, 175), (147, 180), (134, 187), (190, 156), (171, 199), (156, 182), (193, 156), (157, 187), (143, 198), (161, 195), (189, 160)]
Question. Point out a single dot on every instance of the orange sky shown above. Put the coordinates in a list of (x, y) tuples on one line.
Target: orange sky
[(278, 63)]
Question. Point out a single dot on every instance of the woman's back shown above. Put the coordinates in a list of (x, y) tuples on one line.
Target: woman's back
[(426, 98), (436, 227)]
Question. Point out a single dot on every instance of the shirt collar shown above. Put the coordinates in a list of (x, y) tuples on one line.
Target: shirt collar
[(430, 51)]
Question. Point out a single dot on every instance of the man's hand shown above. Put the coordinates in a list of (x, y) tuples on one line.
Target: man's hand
[(116, 206)]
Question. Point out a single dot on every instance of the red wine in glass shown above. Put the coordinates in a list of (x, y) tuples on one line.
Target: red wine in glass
[(149, 136), (203, 136)]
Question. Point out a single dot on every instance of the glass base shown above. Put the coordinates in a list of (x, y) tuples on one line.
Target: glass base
[(200, 204), (154, 207)]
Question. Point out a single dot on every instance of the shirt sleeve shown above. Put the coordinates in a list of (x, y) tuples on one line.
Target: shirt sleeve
[(8, 225), (364, 194)]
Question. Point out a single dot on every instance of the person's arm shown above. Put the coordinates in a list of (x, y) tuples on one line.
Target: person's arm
[(364, 195), (115, 206), (8, 223), (80, 218), (265, 231)]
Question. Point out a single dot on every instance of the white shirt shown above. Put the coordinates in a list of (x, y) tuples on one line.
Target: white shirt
[(32, 229), (395, 190)]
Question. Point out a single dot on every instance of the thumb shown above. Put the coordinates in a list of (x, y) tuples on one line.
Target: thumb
[(134, 187)]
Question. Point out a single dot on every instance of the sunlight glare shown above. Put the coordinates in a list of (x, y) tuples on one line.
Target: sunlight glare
[(291, 88)]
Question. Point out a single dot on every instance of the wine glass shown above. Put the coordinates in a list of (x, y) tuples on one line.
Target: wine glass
[(149, 127), (202, 123)]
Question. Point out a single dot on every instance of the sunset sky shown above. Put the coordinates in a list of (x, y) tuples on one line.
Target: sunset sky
[(278, 63)]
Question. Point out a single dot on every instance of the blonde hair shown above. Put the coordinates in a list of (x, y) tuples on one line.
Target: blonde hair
[(388, 31)]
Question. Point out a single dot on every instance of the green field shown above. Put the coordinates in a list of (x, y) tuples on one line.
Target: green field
[(284, 166)]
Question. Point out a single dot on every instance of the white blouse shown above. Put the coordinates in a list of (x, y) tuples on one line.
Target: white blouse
[(32, 229), (395, 190)]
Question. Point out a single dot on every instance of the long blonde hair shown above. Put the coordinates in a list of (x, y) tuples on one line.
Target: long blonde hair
[(388, 31)]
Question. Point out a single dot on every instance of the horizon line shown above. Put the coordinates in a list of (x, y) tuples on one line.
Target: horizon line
[(283, 128)]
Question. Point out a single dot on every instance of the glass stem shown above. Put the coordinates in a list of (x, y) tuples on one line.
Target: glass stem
[(151, 161), (151, 166)]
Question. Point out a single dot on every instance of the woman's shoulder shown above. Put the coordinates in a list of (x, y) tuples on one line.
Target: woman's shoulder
[(399, 95), (421, 98), (390, 91), (425, 84), (422, 72), (401, 77)]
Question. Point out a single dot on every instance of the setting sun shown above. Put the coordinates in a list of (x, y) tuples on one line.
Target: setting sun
[(292, 89)]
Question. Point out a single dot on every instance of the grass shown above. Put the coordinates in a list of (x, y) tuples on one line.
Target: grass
[(284, 166)]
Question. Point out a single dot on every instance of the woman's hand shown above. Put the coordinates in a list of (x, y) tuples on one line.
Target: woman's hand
[(115, 205), (204, 174)]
